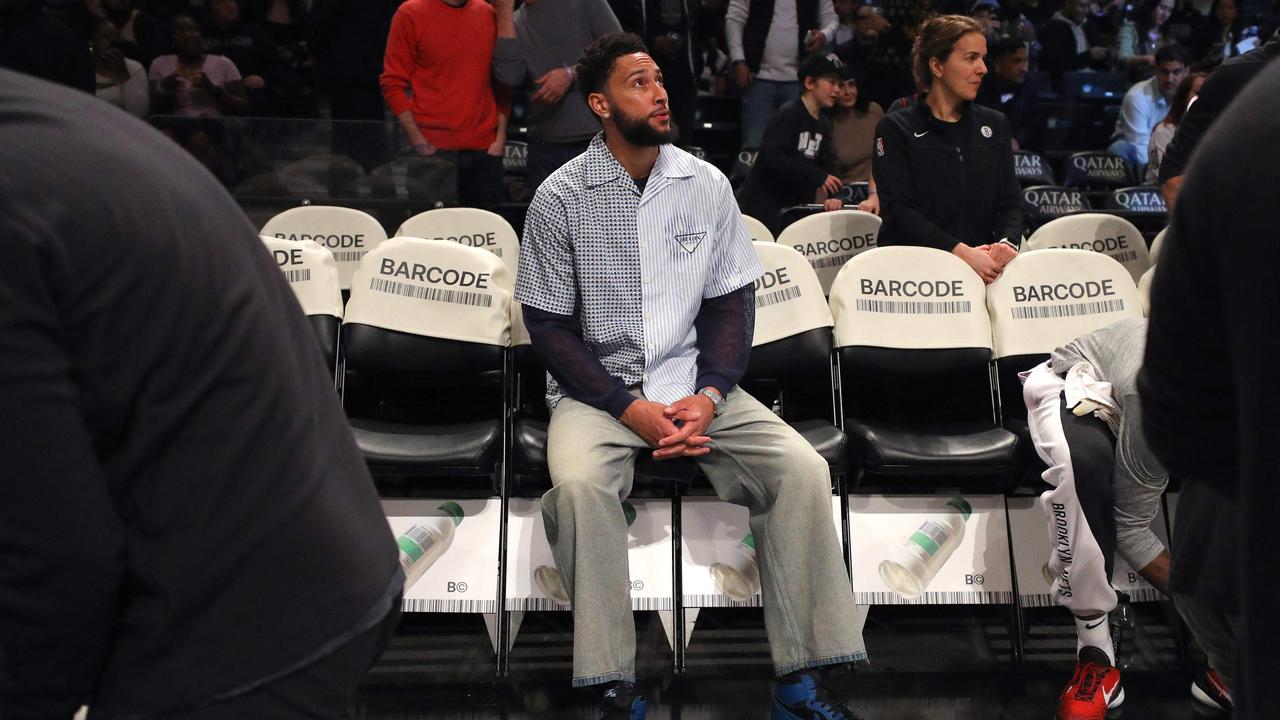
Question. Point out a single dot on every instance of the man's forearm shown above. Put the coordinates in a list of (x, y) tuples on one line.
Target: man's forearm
[(411, 128), (725, 326), (557, 339)]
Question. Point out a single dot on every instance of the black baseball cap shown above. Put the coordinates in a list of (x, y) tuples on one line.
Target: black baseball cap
[(820, 64)]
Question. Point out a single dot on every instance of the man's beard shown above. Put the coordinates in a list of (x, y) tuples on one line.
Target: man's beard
[(640, 133)]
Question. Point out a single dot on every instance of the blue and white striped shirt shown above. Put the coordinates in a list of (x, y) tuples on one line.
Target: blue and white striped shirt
[(636, 267)]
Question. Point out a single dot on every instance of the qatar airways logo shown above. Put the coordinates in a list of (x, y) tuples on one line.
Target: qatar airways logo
[(1102, 167)]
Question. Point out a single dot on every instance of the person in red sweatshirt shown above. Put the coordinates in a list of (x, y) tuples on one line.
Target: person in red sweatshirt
[(436, 79)]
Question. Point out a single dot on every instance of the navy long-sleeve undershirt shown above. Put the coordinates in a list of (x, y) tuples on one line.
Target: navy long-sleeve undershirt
[(724, 324)]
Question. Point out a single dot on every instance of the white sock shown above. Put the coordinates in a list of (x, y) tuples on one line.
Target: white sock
[(1095, 633)]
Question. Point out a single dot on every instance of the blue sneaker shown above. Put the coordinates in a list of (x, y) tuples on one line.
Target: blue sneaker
[(620, 702), (806, 699)]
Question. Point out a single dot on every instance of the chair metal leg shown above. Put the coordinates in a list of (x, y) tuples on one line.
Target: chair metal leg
[(504, 617), (677, 584), (1017, 642)]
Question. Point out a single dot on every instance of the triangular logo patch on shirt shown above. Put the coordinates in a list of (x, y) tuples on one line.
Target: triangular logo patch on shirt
[(690, 241)]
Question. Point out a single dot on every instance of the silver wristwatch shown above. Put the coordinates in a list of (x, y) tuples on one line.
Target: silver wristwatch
[(717, 400)]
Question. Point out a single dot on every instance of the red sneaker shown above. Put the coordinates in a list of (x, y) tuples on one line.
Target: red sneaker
[(1094, 691), (1209, 690)]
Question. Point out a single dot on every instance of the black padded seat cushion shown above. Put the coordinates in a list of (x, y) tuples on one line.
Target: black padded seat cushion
[(466, 446), (941, 448), (827, 440), (529, 465)]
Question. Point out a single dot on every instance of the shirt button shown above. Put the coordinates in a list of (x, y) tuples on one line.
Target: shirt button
[(646, 278)]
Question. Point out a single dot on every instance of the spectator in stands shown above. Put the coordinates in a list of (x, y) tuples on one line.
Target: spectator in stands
[(1208, 384), (198, 87), (868, 24), (32, 42), (1141, 36), (1160, 137), (248, 47), (1216, 38), (437, 79), (193, 83), (629, 359), (142, 34), (1085, 418), (848, 28), (1145, 105), (1220, 88), (667, 28), (987, 15), (1009, 89), (853, 129), (121, 81), (285, 22), (944, 167), (537, 47), (1069, 42), (797, 162), (349, 38), (186, 524), (767, 40)]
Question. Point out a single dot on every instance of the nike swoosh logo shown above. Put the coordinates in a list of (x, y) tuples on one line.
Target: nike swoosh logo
[(1106, 694), (920, 135), (1090, 627)]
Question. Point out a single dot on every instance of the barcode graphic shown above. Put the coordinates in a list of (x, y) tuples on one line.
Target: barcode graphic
[(1125, 257), (914, 307), (1135, 595), (936, 598), (348, 255), (778, 296), (549, 605), (457, 297), (300, 275), (1044, 312), (830, 262), (415, 605), (718, 601), (936, 532)]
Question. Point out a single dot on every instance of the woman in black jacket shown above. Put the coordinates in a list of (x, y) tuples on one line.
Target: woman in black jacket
[(944, 168)]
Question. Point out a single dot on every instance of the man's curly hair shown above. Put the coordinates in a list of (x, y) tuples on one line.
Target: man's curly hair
[(596, 64)]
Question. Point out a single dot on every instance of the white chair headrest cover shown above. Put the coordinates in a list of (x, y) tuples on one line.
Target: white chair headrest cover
[(1112, 236), (910, 298), (1157, 246), (468, 226), (830, 239), (347, 233), (1047, 298), (311, 273), (789, 298), (433, 288), (757, 230)]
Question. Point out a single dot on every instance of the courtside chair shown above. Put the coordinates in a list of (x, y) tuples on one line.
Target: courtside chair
[(914, 352), (313, 276), (1045, 299), (830, 239), (790, 368), (425, 342), (1031, 168), (1157, 246), (347, 233), (468, 226), (1108, 235), (1144, 290), (758, 231)]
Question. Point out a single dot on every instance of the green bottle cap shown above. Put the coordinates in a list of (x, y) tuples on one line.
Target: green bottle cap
[(962, 505), (749, 540), (454, 511), (629, 511)]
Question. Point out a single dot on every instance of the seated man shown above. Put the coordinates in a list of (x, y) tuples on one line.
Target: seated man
[(1007, 88), (637, 282), (1145, 105), (1086, 423)]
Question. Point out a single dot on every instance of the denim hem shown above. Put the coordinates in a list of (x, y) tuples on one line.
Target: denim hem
[(605, 678), (820, 662)]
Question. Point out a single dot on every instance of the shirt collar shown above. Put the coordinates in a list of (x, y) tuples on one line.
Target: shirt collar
[(603, 168)]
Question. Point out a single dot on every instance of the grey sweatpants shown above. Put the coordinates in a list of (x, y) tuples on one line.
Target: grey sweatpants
[(756, 460), (1091, 515)]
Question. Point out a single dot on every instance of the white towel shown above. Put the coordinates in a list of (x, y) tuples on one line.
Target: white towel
[(1087, 394)]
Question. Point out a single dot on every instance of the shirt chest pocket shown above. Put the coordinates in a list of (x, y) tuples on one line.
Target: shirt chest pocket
[(687, 250)]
